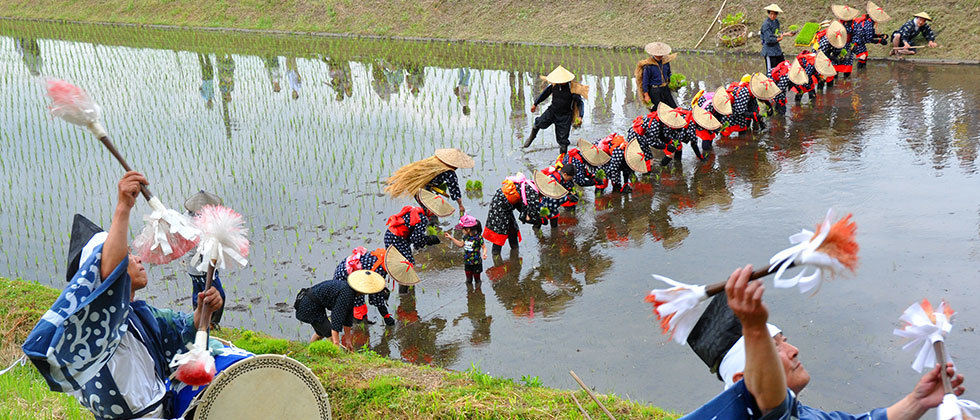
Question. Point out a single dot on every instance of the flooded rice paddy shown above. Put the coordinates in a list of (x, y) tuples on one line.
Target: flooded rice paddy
[(896, 145)]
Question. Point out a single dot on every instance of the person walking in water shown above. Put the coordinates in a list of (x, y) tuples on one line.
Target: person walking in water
[(567, 107), (653, 76)]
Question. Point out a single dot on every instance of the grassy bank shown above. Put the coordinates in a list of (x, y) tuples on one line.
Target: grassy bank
[(629, 23), (360, 385)]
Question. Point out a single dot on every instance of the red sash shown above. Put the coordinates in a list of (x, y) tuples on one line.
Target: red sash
[(396, 224)]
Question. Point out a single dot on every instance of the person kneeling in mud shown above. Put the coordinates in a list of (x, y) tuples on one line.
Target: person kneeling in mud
[(338, 297), (360, 259)]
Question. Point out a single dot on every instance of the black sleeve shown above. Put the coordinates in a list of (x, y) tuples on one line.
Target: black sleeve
[(581, 105), (544, 95), (342, 313), (928, 33)]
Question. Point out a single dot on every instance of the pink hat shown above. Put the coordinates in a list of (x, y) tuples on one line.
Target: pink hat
[(466, 221)]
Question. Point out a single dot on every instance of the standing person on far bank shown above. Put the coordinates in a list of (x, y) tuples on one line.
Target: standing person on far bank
[(770, 36), (567, 107), (653, 75)]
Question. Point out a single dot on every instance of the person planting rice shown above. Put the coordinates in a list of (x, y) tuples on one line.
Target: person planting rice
[(516, 193), (832, 42), (650, 133), (120, 369), (653, 76), (436, 173), (762, 372), (338, 296), (676, 120), (474, 250), (361, 259), (615, 169), (717, 105), (745, 108), (866, 32), (807, 85), (565, 176), (408, 228), (586, 159), (567, 107), (903, 37)]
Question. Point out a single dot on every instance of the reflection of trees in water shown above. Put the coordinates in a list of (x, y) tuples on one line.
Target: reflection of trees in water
[(602, 108), (30, 52), (226, 84)]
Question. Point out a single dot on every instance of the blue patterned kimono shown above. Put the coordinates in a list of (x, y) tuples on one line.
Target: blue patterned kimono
[(737, 403), (74, 341)]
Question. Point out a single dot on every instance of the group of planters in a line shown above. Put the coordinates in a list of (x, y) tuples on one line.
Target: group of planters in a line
[(136, 383)]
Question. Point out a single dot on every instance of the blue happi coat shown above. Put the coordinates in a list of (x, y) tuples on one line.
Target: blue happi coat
[(737, 403), (73, 342)]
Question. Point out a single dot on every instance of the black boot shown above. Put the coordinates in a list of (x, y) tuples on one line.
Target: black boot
[(862, 64), (813, 96), (706, 145), (847, 75), (820, 85), (798, 97), (562, 148), (530, 138), (830, 84)]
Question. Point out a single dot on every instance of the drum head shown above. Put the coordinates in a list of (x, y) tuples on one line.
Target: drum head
[(268, 386)]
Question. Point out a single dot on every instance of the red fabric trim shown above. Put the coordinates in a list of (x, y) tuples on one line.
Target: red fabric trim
[(360, 311), (638, 125), (842, 68), (704, 134), (396, 224), (780, 70), (494, 237)]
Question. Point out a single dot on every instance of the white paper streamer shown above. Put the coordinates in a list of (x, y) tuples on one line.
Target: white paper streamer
[(816, 265), (162, 221), (681, 301), (953, 408), (923, 333)]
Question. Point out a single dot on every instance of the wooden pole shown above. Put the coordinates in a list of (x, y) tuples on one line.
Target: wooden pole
[(591, 394), (716, 288), (112, 149), (712, 25), (584, 413), (940, 348)]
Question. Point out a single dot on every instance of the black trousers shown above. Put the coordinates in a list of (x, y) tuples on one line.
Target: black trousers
[(773, 61), (562, 122), (661, 94), (512, 240)]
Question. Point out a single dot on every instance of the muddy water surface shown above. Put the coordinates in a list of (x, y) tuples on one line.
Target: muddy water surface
[(896, 145)]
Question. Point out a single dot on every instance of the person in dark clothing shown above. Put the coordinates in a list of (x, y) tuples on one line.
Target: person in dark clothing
[(338, 297), (564, 176), (617, 172), (567, 107), (436, 174), (407, 229), (902, 38), (833, 42), (865, 32), (770, 37), (360, 259), (653, 75), (516, 193), (806, 60), (586, 161)]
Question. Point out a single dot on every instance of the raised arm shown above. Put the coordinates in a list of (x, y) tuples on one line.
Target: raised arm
[(116, 246), (764, 376), (928, 393)]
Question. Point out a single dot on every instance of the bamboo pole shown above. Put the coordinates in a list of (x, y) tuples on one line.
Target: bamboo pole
[(591, 394), (712, 25)]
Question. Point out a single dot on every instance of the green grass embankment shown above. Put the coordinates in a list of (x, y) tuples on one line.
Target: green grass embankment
[(630, 23), (360, 385)]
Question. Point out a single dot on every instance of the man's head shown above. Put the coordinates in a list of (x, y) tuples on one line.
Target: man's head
[(733, 365), (773, 15), (919, 21), (136, 272)]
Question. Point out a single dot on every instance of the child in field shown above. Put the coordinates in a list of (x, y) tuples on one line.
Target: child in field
[(474, 249)]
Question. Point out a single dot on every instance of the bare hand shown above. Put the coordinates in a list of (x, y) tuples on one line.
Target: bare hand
[(210, 299), (646, 97), (447, 235), (534, 108), (745, 298), (129, 188), (462, 210), (928, 393), (933, 44)]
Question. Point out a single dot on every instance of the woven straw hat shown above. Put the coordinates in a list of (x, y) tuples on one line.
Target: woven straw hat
[(455, 158), (823, 65), (592, 154), (763, 87), (262, 387), (837, 34), (559, 75), (435, 203), (797, 74), (634, 157), (399, 268), (923, 15), (722, 101), (704, 119), (366, 281), (877, 13), (844, 12), (773, 8), (657, 49), (548, 186), (200, 199), (668, 116)]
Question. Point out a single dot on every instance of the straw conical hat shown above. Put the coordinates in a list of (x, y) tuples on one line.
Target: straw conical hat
[(763, 87), (877, 13), (657, 49), (823, 65), (705, 119), (923, 15), (797, 74), (837, 34), (722, 101), (844, 12), (559, 75), (548, 186), (200, 199), (634, 157), (592, 154), (366, 281), (455, 158), (435, 203), (773, 8), (669, 117), (399, 268)]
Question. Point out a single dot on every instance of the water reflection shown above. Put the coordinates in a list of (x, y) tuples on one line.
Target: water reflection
[(30, 52)]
